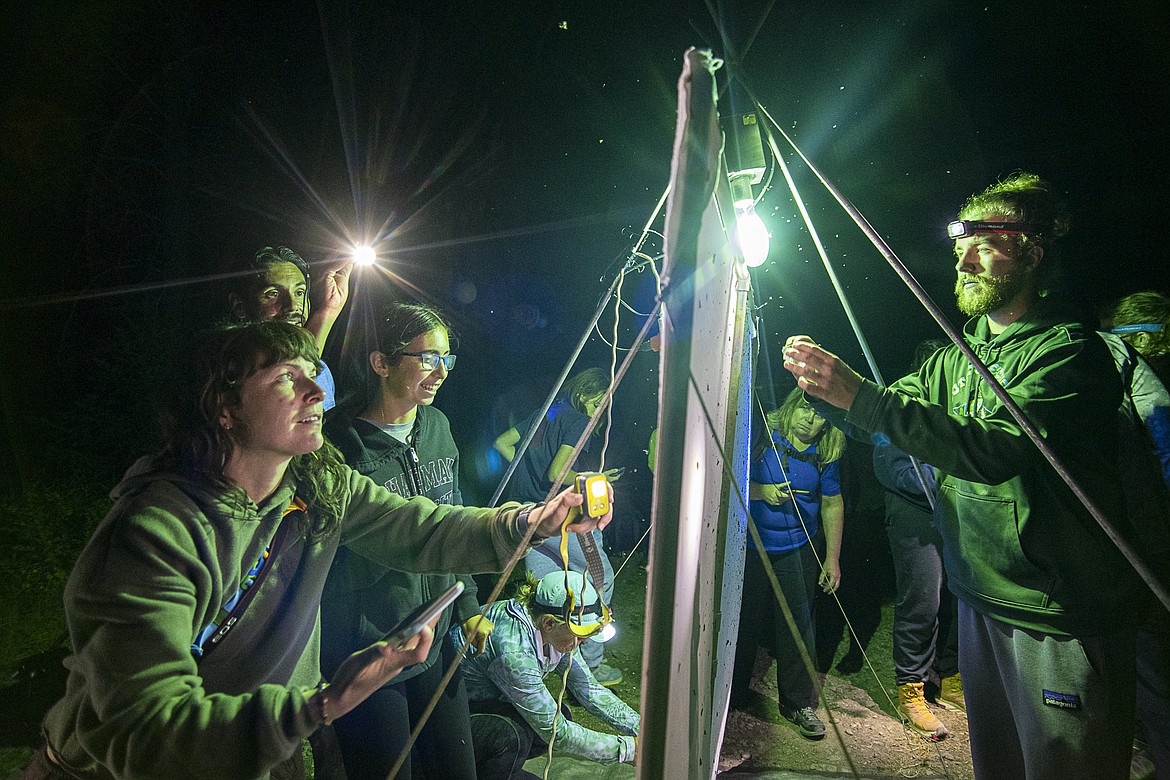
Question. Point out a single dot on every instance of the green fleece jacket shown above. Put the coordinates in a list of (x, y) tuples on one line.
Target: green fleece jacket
[(170, 553), (1018, 545)]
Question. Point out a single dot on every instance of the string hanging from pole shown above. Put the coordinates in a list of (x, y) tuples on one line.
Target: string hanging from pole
[(637, 260)]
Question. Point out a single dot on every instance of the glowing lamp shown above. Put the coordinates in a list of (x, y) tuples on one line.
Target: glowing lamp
[(608, 632), (745, 166), (752, 235), (750, 232), (364, 255)]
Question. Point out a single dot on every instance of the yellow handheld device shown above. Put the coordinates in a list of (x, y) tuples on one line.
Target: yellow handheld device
[(595, 487)]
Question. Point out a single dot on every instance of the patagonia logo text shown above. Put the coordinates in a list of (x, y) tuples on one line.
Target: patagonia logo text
[(1066, 701)]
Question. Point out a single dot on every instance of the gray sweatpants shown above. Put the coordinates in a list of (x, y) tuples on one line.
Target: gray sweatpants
[(1044, 707)]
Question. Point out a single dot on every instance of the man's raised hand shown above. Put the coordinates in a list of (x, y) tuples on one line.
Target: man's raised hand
[(820, 373)]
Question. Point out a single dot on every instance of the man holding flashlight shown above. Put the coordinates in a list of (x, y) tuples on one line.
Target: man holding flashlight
[(275, 285), (1046, 601)]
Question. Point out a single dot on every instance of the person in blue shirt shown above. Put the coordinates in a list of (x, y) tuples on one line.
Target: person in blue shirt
[(796, 505), (926, 628), (1142, 320)]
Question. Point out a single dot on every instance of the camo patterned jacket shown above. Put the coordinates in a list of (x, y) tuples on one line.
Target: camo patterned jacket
[(512, 668)]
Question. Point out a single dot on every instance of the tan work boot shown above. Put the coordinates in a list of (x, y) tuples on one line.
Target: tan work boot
[(950, 693), (912, 706)]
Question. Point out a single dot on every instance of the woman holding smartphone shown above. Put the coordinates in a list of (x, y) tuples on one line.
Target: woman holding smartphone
[(247, 505), (389, 431)]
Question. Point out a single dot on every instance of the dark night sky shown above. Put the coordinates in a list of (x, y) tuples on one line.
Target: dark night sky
[(504, 151)]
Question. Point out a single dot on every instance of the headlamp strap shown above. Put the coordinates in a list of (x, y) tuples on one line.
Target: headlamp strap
[(1143, 327), (596, 572)]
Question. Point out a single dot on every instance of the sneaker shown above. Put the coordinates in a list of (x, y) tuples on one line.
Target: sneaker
[(607, 675), (950, 693), (807, 721), (912, 706)]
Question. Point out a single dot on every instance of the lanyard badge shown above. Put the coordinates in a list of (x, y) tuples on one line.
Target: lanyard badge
[(229, 615)]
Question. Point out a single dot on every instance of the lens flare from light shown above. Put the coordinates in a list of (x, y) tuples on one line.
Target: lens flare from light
[(364, 255), (753, 237)]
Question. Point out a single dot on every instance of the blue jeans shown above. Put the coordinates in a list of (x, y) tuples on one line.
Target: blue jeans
[(1153, 689), (926, 626)]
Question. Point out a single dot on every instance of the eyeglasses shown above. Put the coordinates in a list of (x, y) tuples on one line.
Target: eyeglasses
[(431, 360), (962, 228)]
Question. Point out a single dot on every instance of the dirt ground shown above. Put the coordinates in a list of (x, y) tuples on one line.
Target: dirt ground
[(861, 740), (759, 743)]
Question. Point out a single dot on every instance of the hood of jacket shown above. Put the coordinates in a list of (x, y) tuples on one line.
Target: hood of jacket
[(153, 472)]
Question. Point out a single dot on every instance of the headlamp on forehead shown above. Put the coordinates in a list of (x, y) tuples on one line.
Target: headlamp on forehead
[(568, 597), (962, 228), (599, 630), (1142, 327)]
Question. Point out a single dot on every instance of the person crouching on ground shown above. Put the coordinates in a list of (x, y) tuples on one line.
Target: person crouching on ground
[(513, 715)]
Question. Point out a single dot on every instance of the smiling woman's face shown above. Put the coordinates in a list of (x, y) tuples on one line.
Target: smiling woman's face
[(409, 381)]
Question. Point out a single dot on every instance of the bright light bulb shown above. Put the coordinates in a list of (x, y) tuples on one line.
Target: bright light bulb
[(753, 237), (364, 255), (608, 632)]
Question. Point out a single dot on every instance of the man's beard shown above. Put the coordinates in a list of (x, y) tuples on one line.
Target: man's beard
[(988, 294)]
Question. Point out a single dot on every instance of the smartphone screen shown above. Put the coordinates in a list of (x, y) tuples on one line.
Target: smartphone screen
[(414, 622)]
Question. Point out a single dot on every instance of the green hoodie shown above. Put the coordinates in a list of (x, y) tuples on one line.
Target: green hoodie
[(157, 570), (1018, 545)]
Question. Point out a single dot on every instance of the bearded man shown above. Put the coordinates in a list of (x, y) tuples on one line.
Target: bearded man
[(274, 285), (1046, 601)]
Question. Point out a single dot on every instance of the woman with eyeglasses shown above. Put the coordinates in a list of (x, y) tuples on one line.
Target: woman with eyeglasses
[(193, 611), (796, 505), (389, 431), (547, 456)]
